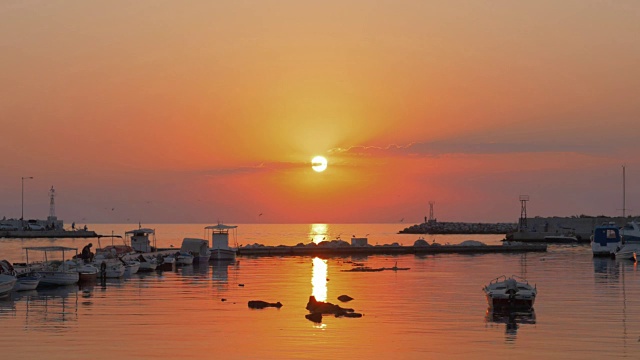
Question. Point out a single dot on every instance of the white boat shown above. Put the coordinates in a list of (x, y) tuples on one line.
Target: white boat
[(7, 283), (629, 243), (110, 268), (147, 263), (220, 249), (512, 293), (184, 258), (53, 272), (27, 281), (87, 272), (198, 247), (605, 239), (131, 266)]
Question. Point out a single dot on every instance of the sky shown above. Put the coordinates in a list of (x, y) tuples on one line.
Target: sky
[(210, 111)]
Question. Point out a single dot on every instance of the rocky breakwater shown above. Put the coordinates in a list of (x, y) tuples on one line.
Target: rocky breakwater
[(434, 227)]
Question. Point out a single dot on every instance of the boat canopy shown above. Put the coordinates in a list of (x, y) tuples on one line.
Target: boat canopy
[(145, 231), (195, 246), (50, 248), (606, 234), (221, 227)]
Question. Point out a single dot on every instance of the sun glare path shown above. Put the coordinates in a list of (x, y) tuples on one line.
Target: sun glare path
[(319, 163), (318, 232), (319, 279)]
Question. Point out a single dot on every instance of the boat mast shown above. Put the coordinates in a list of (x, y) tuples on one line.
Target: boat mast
[(624, 208)]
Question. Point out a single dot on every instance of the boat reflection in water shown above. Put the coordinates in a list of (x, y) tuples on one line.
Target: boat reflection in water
[(606, 270), (220, 273), (511, 319), (49, 309)]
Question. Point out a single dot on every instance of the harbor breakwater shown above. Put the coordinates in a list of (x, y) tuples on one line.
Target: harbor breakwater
[(347, 250), (434, 227)]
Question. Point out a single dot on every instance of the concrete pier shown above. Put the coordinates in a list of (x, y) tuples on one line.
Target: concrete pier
[(32, 234), (386, 250)]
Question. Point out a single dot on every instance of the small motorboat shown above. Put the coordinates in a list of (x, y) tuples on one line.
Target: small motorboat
[(184, 258), (146, 263), (27, 281), (510, 293), (605, 240), (6, 284)]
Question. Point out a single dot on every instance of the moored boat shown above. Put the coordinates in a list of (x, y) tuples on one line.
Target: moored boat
[(184, 258), (146, 263), (139, 239), (110, 268), (7, 283), (510, 293), (27, 281), (53, 272), (605, 239), (220, 249), (629, 242), (199, 248)]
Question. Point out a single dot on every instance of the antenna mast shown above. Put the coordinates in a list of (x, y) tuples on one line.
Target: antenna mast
[(52, 204), (523, 211), (431, 218)]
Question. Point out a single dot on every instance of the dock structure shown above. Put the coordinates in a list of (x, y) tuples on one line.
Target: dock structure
[(57, 233), (386, 250)]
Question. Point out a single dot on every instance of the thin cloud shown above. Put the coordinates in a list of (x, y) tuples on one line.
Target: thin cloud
[(437, 148), (262, 167)]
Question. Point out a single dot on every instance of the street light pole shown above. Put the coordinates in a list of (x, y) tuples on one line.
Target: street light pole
[(22, 215)]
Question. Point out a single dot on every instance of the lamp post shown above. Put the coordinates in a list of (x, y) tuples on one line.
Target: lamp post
[(22, 215)]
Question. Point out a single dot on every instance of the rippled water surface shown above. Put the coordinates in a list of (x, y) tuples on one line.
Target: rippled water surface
[(586, 307)]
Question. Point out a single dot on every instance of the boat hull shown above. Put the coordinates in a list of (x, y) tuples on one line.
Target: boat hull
[(599, 250), (7, 282), (57, 278), (509, 294), (499, 303), (222, 254), (26, 283)]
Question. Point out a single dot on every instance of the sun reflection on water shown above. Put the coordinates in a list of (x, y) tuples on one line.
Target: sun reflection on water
[(319, 279)]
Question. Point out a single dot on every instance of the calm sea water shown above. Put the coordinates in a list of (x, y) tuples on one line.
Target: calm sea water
[(586, 307)]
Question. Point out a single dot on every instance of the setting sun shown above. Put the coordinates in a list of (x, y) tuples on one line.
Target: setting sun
[(319, 163)]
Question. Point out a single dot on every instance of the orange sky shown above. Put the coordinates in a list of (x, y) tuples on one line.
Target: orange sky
[(201, 111)]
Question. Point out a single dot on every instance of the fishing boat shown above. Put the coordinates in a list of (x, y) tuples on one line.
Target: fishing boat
[(605, 239), (53, 272), (510, 293), (140, 239), (220, 249)]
